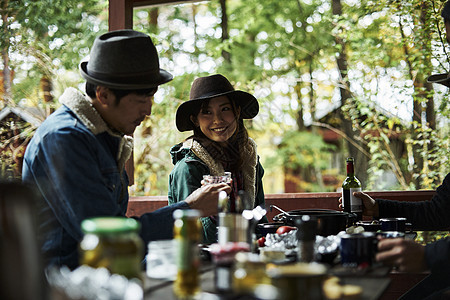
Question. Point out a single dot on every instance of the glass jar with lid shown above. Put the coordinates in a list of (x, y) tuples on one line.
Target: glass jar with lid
[(112, 243)]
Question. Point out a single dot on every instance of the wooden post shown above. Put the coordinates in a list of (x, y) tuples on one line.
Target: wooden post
[(120, 14), (121, 17)]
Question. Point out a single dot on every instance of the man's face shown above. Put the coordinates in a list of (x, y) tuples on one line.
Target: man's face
[(126, 115)]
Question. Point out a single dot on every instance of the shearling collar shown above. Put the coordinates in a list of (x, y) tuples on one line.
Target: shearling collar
[(81, 106), (216, 168)]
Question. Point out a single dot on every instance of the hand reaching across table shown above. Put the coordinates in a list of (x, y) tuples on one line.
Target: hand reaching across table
[(205, 198)]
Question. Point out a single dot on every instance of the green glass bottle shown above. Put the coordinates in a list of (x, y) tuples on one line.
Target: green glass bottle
[(351, 184)]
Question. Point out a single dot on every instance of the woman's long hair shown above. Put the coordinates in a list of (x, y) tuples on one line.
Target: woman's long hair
[(231, 155)]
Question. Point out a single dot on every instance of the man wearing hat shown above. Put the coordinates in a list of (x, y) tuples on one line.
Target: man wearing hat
[(76, 158)]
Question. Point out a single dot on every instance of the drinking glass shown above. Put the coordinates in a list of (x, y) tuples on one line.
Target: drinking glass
[(161, 260), (225, 178), (211, 179)]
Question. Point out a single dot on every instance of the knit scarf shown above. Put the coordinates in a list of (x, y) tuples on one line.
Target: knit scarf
[(216, 168)]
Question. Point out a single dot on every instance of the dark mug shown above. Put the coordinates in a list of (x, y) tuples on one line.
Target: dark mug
[(358, 249), (393, 224)]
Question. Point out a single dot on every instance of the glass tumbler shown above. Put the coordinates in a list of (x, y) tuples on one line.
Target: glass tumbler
[(161, 260), (212, 179)]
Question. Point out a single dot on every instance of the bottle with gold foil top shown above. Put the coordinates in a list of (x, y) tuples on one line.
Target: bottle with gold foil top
[(187, 231), (112, 243), (350, 203)]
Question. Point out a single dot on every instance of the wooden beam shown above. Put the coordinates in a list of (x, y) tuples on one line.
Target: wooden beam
[(287, 201), (141, 3), (120, 14)]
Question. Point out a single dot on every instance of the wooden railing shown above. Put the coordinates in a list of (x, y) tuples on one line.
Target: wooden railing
[(287, 201)]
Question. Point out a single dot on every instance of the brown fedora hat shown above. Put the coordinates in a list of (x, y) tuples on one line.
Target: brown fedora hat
[(124, 59), (443, 79), (209, 87)]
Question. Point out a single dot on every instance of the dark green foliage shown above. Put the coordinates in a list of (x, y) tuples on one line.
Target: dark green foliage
[(285, 53)]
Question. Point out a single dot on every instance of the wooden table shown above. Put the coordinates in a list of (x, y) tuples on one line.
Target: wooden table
[(373, 284), (373, 281)]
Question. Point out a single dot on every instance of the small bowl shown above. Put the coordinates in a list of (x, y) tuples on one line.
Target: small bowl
[(393, 224), (371, 226)]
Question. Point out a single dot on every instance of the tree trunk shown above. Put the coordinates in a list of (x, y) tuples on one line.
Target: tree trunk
[(46, 89), (426, 46), (5, 55), (153, 17), (361, 160), (299, 119), (417, 110), (423, 90), (224, 25), (6, 80), (312, 99), (427, 89)]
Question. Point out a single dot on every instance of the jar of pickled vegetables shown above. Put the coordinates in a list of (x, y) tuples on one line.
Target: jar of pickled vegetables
[(187, 234), (112, 243)]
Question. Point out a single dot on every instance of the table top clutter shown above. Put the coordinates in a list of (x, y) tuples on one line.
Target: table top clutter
[(287, 262), (368, 286)]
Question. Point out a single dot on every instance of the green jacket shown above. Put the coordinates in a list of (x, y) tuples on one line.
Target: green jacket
[(192, 161)]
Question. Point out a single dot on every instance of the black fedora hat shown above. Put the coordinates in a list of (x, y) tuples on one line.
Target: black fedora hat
[(209, 87), (443, 79), (124, 59)]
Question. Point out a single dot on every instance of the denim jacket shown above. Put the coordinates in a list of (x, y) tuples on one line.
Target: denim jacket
[(77, 163)]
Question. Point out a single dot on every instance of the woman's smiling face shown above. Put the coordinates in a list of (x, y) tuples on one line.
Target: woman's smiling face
[(217, 121)]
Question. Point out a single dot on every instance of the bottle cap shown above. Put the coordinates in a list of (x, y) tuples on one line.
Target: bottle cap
[(106, 225), (183, 213)]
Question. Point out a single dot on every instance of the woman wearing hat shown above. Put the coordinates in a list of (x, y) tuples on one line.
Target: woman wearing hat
[(219, 144)]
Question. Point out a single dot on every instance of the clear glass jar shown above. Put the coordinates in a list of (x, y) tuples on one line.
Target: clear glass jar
[(112, 243), (161, 261)]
